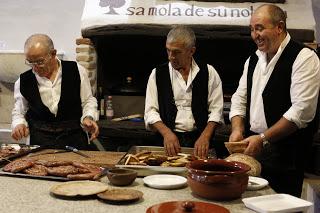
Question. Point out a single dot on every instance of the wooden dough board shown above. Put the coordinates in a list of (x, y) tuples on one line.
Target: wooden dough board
[(98, 158)]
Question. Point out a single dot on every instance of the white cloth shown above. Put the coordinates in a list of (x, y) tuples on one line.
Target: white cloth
[(182, 92), (50, 96), (304, 90)]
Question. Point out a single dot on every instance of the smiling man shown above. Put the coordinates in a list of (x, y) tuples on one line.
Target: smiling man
[(53, 99), (274, 107)]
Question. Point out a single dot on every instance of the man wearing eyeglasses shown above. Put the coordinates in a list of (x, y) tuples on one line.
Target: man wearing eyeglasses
[(53, 100), (274, 108)]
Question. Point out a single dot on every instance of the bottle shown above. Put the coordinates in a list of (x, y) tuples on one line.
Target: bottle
[(101, 103), (109, 108)]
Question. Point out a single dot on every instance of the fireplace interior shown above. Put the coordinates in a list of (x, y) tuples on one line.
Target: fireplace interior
[(122, 56)]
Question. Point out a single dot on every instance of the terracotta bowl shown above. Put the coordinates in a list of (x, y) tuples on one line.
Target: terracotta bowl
[(217, 179), (121, 177)]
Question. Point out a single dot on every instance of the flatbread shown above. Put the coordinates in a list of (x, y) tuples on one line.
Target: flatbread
[(75, 188)]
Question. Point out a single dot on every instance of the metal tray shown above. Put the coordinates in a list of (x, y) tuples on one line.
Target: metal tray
[(18, 148), (151, 170), (57, 178)]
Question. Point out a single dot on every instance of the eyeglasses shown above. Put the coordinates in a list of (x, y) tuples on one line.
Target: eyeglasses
[(39, 63)]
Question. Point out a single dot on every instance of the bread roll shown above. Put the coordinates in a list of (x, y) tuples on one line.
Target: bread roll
[(250, 161)]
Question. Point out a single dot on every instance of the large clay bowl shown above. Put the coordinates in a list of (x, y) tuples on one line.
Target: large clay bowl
[(217, 179)]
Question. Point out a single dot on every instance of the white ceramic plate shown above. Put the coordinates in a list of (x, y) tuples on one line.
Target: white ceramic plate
[(256, 183), (165, 181), (276, 203)]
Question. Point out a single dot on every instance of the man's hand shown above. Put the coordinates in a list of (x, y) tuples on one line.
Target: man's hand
[(255, 145), (201, 147), (235, 136), (171, 143), (19, 132), (91, 126)]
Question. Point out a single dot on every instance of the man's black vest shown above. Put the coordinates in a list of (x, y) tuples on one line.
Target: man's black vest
[(276, 101), (69, 107), (199, 103)]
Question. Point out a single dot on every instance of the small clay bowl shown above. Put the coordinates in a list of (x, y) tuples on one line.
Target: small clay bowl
[(121, 177)]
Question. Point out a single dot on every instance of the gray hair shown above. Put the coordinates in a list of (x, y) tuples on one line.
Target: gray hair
[(44, 40), (276, 14), (182, 34)]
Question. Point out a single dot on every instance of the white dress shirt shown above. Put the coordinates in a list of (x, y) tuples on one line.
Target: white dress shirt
[(304, 90), (182, 93), (50, 96)]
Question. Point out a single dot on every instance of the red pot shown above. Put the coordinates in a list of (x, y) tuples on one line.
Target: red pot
[(217, 179)]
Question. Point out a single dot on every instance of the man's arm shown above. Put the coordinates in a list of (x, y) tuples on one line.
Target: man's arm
[(89, 105), (201, 146), (237, 128), (170, 140), (276, 132), (153, 120), (19, 124)]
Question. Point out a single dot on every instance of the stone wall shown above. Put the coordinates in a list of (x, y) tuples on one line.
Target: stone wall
[(87, 57)]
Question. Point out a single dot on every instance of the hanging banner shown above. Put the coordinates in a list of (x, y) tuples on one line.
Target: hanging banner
[(98, 13)]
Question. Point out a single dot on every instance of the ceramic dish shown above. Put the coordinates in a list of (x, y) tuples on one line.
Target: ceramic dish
[(76, 188), (256, 183), (187, 206), (120, 195), (165, 181), (276, 203)]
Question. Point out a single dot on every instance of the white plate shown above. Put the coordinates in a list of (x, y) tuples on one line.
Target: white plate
[(256, 183), (276, 203), (165, 181)]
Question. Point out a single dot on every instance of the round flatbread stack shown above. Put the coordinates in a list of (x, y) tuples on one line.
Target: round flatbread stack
[(250, 161)]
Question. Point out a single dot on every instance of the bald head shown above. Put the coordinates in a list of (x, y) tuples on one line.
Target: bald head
[(274, 13), (40, 42)]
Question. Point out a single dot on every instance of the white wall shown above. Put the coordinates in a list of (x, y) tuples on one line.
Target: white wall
[(316, 13), (60, 19)]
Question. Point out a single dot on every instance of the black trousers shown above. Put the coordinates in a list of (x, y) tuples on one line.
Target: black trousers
[(289, 182), (58, 135)]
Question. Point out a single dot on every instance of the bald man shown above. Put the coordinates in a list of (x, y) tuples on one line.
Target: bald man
[(53, 100), (274, 107)]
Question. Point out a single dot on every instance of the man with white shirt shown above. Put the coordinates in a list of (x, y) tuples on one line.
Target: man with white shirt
[(184, 100), (275, 105), (53, 100)]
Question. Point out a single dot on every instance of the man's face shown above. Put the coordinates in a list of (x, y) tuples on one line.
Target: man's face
[(264, 33), (179, 55), (40, 60)]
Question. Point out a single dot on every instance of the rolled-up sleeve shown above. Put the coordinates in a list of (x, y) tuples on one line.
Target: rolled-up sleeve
[(20, 107), (88, 102), (151, 111), (215, 97), (239, 98), (304, 89)]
